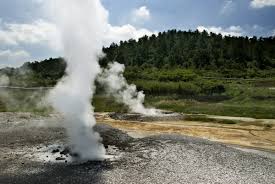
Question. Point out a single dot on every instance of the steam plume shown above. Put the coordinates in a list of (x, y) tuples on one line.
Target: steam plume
[(82, 24), (4, 80), (112, 78)]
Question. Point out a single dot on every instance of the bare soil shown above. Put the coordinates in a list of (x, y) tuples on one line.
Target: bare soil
[(253, 133), (28, 141)]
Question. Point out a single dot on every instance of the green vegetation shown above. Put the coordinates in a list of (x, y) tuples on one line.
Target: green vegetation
[(252, 109), (190, 72), (36, 74), (204, 118), (107, 104), (206, 54)]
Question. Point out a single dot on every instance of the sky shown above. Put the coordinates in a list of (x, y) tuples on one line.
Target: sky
[(26, 33)]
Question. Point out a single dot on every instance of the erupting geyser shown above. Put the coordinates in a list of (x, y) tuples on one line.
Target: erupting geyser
[(82, 25)]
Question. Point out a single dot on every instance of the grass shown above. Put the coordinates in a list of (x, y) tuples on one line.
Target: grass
[(107, 104), (204, 118), (253, 110), (241, 99)]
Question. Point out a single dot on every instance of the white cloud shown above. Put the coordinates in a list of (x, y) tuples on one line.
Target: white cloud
[(141, 14), (13, 58), (125, 32), (228, 7), (262, 3), (42, 32), (17, 36), (245, 30), (232, 30), (38, 32)]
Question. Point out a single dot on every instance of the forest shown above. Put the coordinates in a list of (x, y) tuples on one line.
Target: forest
[(182, 71), (225, 56), (178, 62), (171, 56)]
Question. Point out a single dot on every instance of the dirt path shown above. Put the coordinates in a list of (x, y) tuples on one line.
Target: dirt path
[(250, 133)]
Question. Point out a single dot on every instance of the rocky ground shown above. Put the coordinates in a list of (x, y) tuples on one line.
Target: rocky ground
[(31, 146)]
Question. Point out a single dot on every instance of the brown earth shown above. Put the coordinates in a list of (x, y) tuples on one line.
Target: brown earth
[(31, 145), (249, 133)]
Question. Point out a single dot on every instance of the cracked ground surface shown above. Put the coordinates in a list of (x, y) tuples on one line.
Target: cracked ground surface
[(27, 141)]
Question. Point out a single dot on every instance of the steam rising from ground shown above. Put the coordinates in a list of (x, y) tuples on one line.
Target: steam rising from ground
[(116, 85), (4, 80), (13, 98), (82, 25)]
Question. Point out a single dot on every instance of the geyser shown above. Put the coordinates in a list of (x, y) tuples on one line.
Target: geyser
[(82, 25), (116, 85)]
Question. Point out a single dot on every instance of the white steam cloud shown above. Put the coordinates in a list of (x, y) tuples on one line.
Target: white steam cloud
[(112, 78), (4, 80), (82, 25)]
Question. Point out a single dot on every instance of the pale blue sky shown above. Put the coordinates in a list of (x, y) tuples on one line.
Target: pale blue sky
[(188, 14)]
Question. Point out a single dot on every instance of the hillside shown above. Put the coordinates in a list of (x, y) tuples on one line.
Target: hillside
[(43, 73), (228, 56), (188, 72), (169, 56)]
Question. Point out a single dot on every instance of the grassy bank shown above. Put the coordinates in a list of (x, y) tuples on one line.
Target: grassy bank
[(227, 108), (242, 98)]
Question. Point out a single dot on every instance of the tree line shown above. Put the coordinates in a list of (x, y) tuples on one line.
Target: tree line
[(195, 50), (171, 56)]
